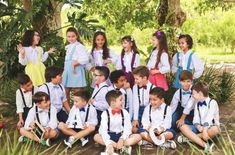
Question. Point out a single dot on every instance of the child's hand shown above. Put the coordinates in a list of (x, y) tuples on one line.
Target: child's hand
[(74, 64), (135, 124), (200, 128), (51, 50), (180, 122), (32, 125), (120, 143), (107, 61), (205, 134), (21, 50), (20, 124)]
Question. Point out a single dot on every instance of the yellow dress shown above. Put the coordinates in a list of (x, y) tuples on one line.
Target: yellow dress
[(36, 72)]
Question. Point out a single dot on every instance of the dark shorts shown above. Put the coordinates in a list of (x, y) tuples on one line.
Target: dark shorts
[(76, 129), (62, 116), (140, 130), (114, 136)]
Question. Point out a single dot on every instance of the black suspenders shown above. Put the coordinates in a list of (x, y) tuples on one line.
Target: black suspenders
[(49, 114), (138, 90), (150, 108), (49, 90), (213, 121), (86, 118), (99, 91), (107, 111), (22, 95)]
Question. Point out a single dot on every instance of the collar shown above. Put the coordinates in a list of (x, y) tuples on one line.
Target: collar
[(52, 85), (187, 53), (160, 107), (101, 84), (42, 110)]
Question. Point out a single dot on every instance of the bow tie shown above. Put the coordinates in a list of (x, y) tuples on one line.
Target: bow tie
[(43, 110), (116, 112), (144, 87), (26, 91), (56, 86), (186, 92), (82, 110), (202, 103)]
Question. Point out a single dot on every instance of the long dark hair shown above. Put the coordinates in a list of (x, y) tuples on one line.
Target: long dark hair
[(131, 40), (27, 39), (105, 46), (72, 29), (161, 36)]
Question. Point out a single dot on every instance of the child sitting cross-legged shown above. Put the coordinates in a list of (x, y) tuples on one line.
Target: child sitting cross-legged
[(115, 127), (45, 114), (205, 121), (82, 119), (156, 121)]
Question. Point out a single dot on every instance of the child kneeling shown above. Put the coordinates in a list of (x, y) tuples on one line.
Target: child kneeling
[(205, 121), (115, 128), (156, 121), (42, 114), (82, 119)]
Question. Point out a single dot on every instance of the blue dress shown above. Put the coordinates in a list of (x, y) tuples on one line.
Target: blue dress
[(74, 78)]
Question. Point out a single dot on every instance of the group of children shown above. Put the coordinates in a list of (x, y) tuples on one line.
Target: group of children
[(127, 105)]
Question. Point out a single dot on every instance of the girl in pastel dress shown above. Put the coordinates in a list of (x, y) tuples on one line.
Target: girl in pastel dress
[(75, 60), (32, 56), (159, 61), (129, 58)]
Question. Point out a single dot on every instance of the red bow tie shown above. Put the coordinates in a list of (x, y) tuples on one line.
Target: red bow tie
[(116, 112), (144, 87)]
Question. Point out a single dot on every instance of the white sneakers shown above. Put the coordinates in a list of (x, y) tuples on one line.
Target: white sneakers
[(182, 139), (71, 140), (169, 144), (126, 150)]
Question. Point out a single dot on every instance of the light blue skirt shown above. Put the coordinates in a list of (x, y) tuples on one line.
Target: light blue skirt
[(73, 78)]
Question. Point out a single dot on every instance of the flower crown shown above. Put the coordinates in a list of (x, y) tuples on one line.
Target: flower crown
[(100, 30), (158, 33)]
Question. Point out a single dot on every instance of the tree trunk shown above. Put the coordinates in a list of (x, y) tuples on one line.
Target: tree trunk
[(170, 12)]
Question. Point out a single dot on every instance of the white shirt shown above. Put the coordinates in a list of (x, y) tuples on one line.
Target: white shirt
[(57, 95), (196, 63), (187, 101), (127, 59), (163, 65), (207, 113), (81, 116), (97, 57), (79, 53), (43, 117), (128, 94), (27, 97), (143, 97), (157, 117), (100, 102), (115, 125), (33, 55)]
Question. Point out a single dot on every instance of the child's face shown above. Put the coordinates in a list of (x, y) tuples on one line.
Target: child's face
[(79, 102), (155, 42), (140, 81), (44, 104), (36, 38), (186, 84), (28, 86), (155, 101), (117, 104), (99, 41), (99, 78), (57, 79), (183, 45), (121, 81), (71, 37), (126, 45), (198, 96)]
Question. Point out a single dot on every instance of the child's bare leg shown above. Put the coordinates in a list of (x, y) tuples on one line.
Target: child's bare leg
[(67, 91), (146, 136), (185, 129), (84, 132), (98, 139), (28, 134), (67, 131), (51, 133), (132, 140), (168, 135), (212, 132)]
